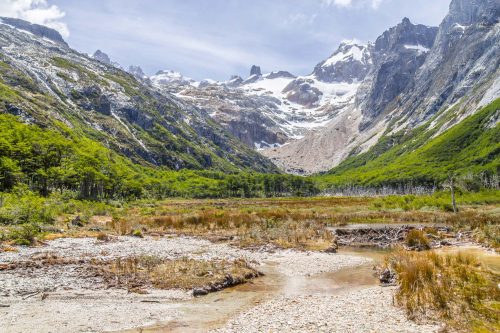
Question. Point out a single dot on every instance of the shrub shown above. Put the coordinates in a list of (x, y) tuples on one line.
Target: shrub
[(137, 233), (24, 234)]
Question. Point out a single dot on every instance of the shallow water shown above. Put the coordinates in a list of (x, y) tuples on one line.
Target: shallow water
[(212, 311), (488, 258)]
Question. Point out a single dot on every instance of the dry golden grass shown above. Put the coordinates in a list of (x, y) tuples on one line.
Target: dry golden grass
[(146, 271), (300, 223), (454, 288), (291, 222), (417, 239)]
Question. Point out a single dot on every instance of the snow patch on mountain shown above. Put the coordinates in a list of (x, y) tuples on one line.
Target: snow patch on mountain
[(418, 47), (167, 77), (353, 53)]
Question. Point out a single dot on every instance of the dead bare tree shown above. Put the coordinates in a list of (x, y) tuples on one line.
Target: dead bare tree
[(451, 186)]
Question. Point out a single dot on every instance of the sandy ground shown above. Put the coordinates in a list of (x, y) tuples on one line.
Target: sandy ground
[(63, 298)]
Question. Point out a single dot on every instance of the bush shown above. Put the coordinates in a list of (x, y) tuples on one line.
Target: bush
[(24, 207), (25, 234), (137, 233)]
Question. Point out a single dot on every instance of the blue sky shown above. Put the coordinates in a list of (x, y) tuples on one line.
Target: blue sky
[(218, 38)]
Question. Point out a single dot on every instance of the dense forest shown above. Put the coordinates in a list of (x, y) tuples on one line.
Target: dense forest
[(50, 161)]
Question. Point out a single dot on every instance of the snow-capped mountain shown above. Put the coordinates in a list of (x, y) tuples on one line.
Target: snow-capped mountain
[(351, 62), (418, 72), (269, 110), (46, 83), (361, 92), (170, 77)]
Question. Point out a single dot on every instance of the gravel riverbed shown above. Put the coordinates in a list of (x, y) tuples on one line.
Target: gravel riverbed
[(357, 311), (60, 298)]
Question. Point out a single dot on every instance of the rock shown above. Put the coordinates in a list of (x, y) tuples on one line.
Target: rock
[(77, 221), (397, 56), (301, 92), (200, 292), (349, 63), (387, 277), (234, 81), (281, 74), (447, 242), (102, 57), (137, 72), (35, 29), (255, 70), (333, 248)]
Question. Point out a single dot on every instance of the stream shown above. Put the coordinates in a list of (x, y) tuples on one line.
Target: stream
[(214, 310)]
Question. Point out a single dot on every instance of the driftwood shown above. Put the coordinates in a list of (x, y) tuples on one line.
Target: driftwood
[(380, 237)]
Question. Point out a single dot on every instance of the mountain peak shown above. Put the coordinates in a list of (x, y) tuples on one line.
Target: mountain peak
[(255, 70), (102, 57), (350, 62), (35, 29), (406, 21), (137, 72), (406, 33)]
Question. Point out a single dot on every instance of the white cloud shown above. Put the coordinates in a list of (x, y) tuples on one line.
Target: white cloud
[(339, 3), (376, 3), (352, 3), (35, 11)]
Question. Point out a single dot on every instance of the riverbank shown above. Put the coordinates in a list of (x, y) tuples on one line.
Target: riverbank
[(49, 296), (140, 268)]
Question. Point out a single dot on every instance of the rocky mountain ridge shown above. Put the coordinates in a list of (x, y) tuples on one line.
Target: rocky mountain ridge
[(361, 92), (45, 82), (352, 100), (418, 73), (272, 109)]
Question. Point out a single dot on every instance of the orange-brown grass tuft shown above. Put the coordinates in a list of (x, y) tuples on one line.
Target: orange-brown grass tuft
[(416, 239), (454, 288), (148, 271)]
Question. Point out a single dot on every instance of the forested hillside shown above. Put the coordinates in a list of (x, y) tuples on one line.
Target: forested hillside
[(60, 161), (424, 157)]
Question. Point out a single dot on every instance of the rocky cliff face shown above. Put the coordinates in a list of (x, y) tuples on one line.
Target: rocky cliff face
[(137, 72), (49, 84), (397, 55), (462, 63), (417, 73), (102, 57)]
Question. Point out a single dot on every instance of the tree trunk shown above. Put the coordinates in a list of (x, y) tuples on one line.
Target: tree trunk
[(452, 190)]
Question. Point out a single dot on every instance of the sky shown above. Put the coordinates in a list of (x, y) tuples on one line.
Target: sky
[(219, 38)]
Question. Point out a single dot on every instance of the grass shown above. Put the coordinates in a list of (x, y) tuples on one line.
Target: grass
[(454, 288), (300, 223), (292, 223), (149, 271), (417, 239)]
